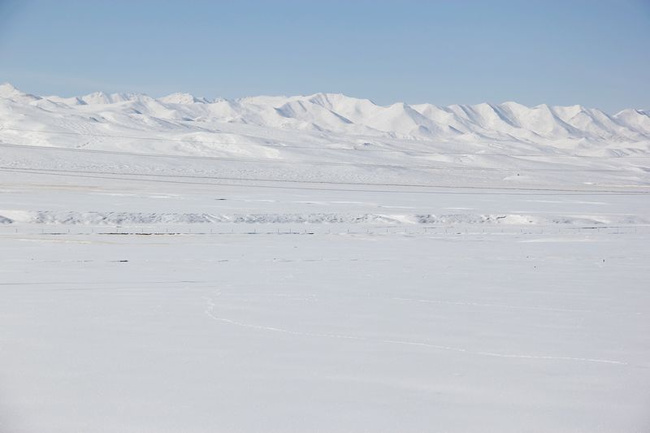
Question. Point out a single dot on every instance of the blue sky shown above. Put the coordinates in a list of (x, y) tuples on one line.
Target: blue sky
[(561, 52)]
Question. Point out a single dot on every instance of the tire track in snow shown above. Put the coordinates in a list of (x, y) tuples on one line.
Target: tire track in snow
[(319, 184), (209, 311), (503, 306)]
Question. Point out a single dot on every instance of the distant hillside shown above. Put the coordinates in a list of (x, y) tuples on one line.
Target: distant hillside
[(184, 124)]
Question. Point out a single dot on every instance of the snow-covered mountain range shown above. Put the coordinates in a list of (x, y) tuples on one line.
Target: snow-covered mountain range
[(256, 126)]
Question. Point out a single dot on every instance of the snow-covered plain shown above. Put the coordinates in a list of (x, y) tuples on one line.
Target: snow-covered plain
[(321, 264)]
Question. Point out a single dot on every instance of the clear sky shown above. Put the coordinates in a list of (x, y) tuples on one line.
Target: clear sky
[(562, 52)]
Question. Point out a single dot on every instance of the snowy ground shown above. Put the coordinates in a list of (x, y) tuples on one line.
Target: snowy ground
[(321, 264), (530, 324)]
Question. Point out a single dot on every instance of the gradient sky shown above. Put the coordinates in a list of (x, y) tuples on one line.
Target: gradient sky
[(560, 52)]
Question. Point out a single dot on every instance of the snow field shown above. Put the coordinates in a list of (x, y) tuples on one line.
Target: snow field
[(321, 263), (474, 326), (324, 332)]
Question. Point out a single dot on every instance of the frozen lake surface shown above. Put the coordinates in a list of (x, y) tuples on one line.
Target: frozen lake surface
[(379, 326)]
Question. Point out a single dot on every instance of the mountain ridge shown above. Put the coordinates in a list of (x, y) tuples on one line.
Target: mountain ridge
[(315, 118)]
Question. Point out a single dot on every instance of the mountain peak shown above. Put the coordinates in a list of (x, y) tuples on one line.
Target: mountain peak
[(8, 91), (183, 98), (7, 88)]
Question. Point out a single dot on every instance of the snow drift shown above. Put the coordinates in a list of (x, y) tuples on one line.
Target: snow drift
[(161, 218)]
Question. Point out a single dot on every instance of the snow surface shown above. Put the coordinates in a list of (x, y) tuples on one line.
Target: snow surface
[(321, 263)]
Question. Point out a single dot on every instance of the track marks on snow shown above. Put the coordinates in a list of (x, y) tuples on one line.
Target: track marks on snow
[(497, 306), (211, 305)]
